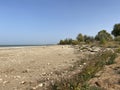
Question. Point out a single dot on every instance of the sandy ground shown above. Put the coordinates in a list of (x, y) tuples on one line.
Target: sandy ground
[(23, 68)]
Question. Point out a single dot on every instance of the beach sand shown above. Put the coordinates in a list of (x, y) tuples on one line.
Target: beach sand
[(22, 68)]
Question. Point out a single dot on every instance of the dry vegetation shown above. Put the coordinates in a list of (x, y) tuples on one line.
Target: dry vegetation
[(79, 80)]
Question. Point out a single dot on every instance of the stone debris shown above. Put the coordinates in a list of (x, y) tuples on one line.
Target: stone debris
[(44, 74), (39, 85), (5, 82)]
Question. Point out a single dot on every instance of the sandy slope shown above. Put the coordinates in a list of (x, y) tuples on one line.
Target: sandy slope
[(23, 68), (109, 77)]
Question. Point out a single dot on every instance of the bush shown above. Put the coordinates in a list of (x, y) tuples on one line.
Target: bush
[(103, 41), (75, 42), (117, 38), (66, 42)]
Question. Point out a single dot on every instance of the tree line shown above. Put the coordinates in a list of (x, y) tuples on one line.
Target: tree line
[(102, 36)]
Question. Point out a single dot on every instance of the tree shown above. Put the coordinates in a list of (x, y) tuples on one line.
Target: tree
[(61, 42), (80, 37), (116, 30), (103, 35), (67, 41), (88, 39)]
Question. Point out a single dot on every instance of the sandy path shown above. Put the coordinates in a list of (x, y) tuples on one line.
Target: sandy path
[(22, 68)]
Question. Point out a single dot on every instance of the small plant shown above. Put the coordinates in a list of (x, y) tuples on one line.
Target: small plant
[(95, 88)]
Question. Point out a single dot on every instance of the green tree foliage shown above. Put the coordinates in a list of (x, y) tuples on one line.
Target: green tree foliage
[(103, 41), (103, 35), (80, 37), (116, 30), (68, 42), (61, 42), (88, 39)]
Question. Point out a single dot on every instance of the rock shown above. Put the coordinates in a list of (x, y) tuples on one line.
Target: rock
[(95, 49)]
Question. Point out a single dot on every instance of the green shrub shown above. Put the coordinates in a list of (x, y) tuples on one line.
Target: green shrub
[(102, 41), (75, 42)]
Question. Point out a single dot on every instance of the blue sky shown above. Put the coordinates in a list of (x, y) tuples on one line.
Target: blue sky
[(48, 21)]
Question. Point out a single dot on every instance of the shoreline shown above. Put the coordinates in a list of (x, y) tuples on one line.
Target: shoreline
[(23, 46)]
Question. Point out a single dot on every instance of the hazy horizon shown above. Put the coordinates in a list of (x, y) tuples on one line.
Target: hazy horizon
[(24, 22)]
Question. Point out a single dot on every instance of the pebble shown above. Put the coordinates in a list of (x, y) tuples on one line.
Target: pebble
[(40, 85), (1, 79), (80, 65), (23, 82), (48, 64), (51, 72)]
